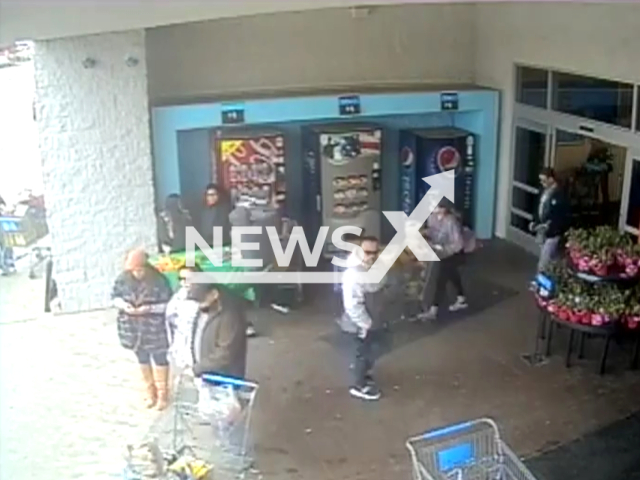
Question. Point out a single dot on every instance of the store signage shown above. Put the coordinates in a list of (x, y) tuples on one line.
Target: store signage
[(232, 114), (349, 105), (449, 101)]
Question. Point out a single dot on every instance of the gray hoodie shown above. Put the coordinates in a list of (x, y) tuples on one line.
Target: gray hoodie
[(356, 298)]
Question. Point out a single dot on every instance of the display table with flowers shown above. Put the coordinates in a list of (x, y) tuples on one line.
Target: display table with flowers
[(170, 265), (596, 290)]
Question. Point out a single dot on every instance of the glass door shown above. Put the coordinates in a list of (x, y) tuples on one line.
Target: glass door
[(531, 154), (630, 211)]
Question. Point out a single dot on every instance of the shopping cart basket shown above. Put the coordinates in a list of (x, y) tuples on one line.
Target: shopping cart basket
[(466, 451), (209, 427)]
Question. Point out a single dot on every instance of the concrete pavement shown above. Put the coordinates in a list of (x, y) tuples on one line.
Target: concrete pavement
[(69, 398)]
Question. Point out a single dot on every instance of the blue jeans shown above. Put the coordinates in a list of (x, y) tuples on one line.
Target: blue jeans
[(548, 252)]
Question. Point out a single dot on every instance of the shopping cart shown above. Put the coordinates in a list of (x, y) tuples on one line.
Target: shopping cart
[(206, 433), (466, 451)]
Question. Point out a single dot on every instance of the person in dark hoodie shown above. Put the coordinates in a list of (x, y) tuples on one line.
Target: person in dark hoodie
[(219, 343), (172, 228), (216, 214), (552, 219)]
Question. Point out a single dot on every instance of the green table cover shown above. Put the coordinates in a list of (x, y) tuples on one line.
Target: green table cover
[(247, 291)]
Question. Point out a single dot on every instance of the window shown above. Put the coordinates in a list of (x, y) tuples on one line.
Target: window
[(633, 209), (638, 111), (520, 223), (532, 86), (601, 100), (524, 200), (529, 156)]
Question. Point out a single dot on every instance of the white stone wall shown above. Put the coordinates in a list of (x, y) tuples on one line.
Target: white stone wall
[(95, 144)]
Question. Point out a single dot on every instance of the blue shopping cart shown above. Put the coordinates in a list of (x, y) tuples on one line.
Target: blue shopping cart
[(466, 451)]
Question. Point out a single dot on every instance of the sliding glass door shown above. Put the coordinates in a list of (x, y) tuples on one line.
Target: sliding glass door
[(630, 211), (530, 154)]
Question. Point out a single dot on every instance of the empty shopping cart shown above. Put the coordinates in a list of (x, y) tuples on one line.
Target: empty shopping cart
[(466, 451)]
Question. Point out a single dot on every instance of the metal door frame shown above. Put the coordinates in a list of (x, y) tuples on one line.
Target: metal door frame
[(528, 242), (633, 155)]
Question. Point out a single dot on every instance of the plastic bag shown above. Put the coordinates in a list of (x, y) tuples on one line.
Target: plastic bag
[(219, 405)]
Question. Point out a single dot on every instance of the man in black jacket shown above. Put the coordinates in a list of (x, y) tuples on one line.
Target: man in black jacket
[(552, 220)]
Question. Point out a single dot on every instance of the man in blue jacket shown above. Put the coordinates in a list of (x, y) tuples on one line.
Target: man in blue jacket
[(552, 219)]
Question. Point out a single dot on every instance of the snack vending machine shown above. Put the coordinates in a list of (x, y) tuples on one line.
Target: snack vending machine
[(251, 167), (343, 180), (428, 152)]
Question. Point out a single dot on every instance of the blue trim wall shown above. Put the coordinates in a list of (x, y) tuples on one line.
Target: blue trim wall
[(478, 112)]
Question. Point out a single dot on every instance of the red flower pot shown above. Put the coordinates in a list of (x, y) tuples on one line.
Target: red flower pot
[(584, 317), (631, 270), (633, 321), (563, 314), (600, 269), (597, 319)]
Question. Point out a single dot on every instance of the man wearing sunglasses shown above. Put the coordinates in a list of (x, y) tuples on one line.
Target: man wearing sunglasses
[(363, 304)]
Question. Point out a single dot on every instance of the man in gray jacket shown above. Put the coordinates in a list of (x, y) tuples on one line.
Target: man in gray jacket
[(363, 306)]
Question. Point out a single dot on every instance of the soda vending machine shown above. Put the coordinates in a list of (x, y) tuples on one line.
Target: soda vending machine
[(428, 152), (251, 166), (342, 179)]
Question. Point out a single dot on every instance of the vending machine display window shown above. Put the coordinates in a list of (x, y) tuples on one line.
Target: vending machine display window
[(252, 168)]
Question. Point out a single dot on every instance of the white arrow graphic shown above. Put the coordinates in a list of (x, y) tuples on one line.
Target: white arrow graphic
[(407, 235), (408, 228)]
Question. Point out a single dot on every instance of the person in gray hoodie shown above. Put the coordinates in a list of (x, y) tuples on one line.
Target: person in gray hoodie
[(364, 318), (445, 235)]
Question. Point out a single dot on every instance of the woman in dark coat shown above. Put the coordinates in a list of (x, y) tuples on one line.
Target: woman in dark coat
[(216, 214), (141, 294), (174, 220)]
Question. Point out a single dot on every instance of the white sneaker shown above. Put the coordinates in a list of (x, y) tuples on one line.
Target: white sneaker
[(460, 304), (369, 392), (430, 314), (251, 331)]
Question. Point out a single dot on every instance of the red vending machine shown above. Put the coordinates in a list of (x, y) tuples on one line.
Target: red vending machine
[(250, 166)]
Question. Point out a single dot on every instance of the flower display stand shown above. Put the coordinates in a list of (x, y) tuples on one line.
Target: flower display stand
[(596, 294)]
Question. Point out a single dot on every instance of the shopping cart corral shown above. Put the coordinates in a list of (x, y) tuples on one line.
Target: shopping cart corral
[(465, 451), (204, 436)]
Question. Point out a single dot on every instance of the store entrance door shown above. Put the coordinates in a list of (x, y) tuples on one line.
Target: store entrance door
[(630, 211), (531, 154)]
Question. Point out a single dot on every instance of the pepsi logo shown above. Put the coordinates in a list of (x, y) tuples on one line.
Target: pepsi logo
[(406, 157), (448, 158)]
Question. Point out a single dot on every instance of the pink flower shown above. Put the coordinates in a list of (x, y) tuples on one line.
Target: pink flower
[(597, 320)]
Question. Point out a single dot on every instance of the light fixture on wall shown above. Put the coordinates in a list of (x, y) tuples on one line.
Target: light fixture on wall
[(131, 61), (89, 62)]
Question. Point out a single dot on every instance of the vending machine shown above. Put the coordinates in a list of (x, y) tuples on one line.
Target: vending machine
[(251, 166), (343, 179), (428, 152)]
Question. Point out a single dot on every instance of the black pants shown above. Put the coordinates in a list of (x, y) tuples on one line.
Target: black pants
[(159, 359), (449, 274), (363, 361)]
